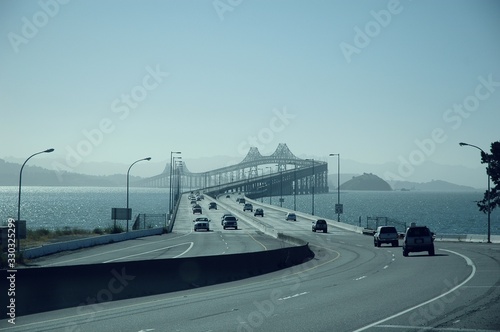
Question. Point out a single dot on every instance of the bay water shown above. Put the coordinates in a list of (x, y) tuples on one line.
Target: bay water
[(90, 207)]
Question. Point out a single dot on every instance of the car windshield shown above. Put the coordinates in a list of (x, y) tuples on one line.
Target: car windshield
[(388, 230)]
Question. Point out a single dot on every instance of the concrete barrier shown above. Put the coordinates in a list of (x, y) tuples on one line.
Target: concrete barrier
[(42, 289), (88, 242)]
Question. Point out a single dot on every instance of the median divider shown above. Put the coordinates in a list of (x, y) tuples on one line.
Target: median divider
[(40, 289)]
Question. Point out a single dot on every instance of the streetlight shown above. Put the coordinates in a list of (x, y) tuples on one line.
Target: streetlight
[(338, 207), (313, 185), (270, 184), (489, 186), (128, 172), (20, 178), (170, 182), (295, 187)]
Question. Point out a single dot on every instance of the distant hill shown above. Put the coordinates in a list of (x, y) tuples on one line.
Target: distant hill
[(434, 185), (38, 176), (366, 182)]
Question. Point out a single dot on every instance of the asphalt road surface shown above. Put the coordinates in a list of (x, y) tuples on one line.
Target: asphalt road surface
[(350, 285)]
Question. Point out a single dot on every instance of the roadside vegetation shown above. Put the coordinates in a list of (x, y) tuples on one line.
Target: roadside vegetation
[(41, 236)]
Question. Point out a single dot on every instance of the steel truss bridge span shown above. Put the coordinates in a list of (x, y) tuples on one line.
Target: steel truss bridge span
[(279, 174)]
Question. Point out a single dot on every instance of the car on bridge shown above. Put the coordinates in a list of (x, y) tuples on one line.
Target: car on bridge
[(248, 207), (212, 205), (201, 225), (201, 218), (230, 222), (320, 225), (386, 234), (258, 212), (197, 209), (223, 217), (291, 216), (241, 200)]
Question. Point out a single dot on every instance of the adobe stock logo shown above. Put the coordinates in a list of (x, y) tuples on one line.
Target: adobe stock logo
[(363, 37), (266, 135), (454, 116), (222, 6), (122, 107), (31, 28)]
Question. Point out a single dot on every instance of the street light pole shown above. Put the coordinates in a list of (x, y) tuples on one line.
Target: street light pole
[(294, 187), (489, 186), (170, 182), (338, 182), (20, 179), (128, 172), (313, 185), (270, 184)]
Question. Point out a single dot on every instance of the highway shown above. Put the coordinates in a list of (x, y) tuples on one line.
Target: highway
[(182, 242), (350, 285)]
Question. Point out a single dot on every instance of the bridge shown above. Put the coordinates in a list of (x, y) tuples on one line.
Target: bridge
[(281, 173)]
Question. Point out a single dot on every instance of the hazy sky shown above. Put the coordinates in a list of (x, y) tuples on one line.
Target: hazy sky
[(377, 81)]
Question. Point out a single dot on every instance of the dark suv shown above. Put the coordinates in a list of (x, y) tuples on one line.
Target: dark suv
[(320, 225), (418, 238)]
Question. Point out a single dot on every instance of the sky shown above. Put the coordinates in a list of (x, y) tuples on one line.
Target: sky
[(399, 82)]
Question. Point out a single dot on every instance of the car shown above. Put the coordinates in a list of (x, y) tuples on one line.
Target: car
[(193, 202), (228, 196), (248, 207), (201, 225), (230, 222), (212, 205), (201, 218), (386, 234), (223, 217), (197, 209), (417, 239), (320, 225), (291, 216), (259, 212), (242, 200)]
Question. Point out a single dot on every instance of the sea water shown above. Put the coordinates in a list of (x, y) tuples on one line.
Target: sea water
[(90, 207)]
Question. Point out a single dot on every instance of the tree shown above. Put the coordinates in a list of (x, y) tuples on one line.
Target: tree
[(493, 169)]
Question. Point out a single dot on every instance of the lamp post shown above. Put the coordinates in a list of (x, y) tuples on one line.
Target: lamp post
[(313, 185), (128, 173), (295, 187), (170, 182), (489, 186), (20, 179), (270, 184), (338, 207)]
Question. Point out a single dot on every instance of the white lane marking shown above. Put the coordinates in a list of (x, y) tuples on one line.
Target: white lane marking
[(467, 260), (292, 296), (360, 278), (385, 267), (423, 328), (147, 252)]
